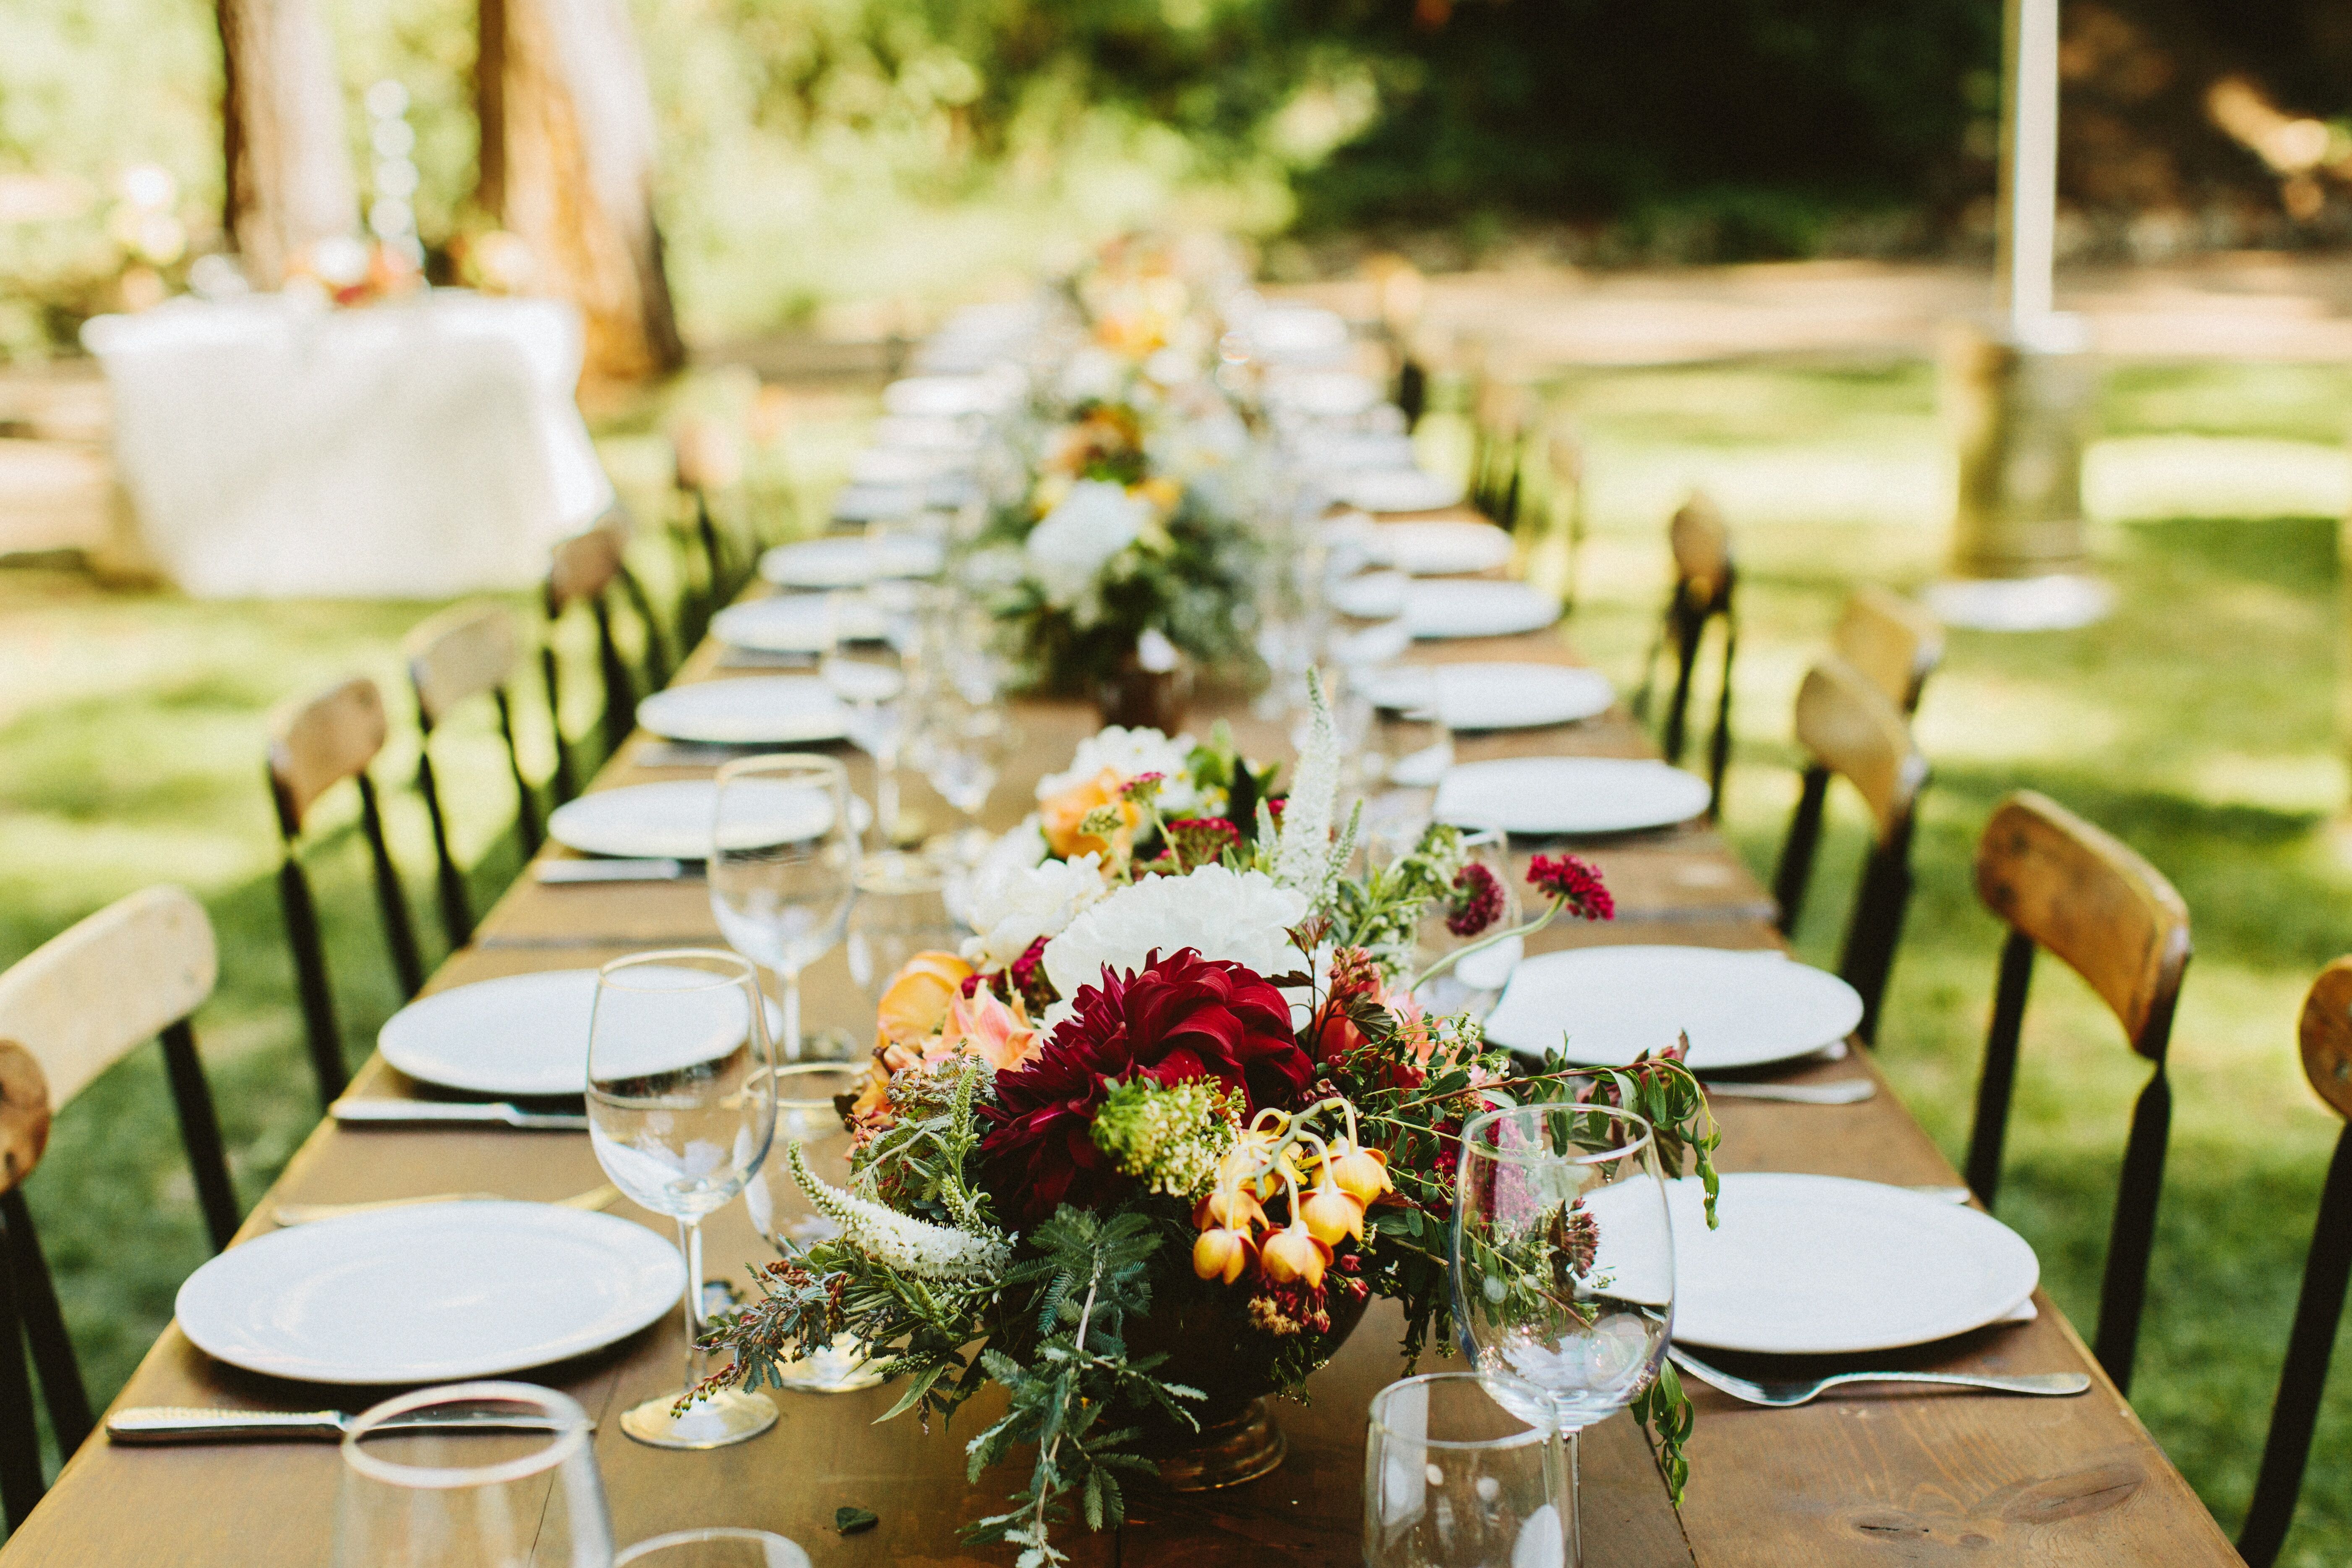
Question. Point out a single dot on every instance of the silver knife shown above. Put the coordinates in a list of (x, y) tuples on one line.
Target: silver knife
[(1845, 1091), (453, 1114), (616, 870), (192, 1423)]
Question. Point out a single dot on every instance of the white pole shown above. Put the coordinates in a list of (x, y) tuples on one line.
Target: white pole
[(2029, 164)]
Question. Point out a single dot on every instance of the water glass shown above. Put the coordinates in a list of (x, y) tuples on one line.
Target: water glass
[(782, 865), (961, 747), (902, 910), (872, 681), (714, 1549), (1486, 901), (1563, 1264), (808, 1115), (474, 1475), (1453, 1481), (681, 1109)]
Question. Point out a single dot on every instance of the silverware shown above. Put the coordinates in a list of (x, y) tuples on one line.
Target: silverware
[(1949, 1194), (1845, 1091), (1783, 1396), (591, 1200), (568, 872), (154, 1424), (452, 1113)]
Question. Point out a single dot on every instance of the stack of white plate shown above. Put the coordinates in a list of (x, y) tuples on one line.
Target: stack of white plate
[(751, 710)]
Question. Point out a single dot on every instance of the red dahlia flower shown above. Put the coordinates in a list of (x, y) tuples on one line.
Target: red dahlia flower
[(1180, 1018)]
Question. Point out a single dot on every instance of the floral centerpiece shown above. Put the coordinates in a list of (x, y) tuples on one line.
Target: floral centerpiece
[(1154, 1166)]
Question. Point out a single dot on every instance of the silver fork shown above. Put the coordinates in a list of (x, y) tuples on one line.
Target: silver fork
[(1783, 1396)]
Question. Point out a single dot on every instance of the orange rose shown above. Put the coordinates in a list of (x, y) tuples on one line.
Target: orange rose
[(915, 1003), (981, 1026), (1061, 815)]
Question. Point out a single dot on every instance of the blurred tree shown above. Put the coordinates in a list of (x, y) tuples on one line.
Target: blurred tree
[(289, 180), (568, 164)]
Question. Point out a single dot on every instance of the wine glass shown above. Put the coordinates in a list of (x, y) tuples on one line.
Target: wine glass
[(782, 857), (718, 1548), (681, 1109), (1453, 1481), (1485, 901), (1563, 1265), (961, 747), (808, 1115), (872, 681), (902, 910), (460, 1478)]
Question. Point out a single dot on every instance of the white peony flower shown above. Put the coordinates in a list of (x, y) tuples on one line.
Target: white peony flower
[(1130, 753), (1243, 916), (1070, 543), (1011, 905)]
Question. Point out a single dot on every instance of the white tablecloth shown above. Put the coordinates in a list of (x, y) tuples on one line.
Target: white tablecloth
[(419, 450)]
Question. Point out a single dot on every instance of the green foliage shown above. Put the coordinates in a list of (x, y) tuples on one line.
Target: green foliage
[(1381, 912)]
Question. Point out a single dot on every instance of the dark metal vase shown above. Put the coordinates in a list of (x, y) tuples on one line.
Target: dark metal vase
[(1232, 1365), (1146, 699)]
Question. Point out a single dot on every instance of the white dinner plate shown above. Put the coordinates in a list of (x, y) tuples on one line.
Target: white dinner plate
[(797, 623), (747, 710), (1472, 608), (430, 1293), (671, 821), (1569, 794), (1494, 696), (525, 1034), (1824, 1265), (950, 396), (1605, 1005), (848, 562), (1400, 490), (1372, 596), (1440, 548)]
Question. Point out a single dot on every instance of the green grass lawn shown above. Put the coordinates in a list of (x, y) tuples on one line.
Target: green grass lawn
[(2197, 723)]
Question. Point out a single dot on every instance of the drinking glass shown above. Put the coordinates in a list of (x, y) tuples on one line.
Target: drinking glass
[(1453, 1481), (782, 861), (808, 1115), (902, 910), (1474, 982), (961, 747), (872, 681), (1563, 1265), (714, 1549), (681, 1109), (474, 1475)]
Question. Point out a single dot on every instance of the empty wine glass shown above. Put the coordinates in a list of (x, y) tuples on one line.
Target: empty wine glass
[(808, 1115), (872, 681), (1563, 1265), (1485, 901), (902, 910), (714, 1549), (460, 1478), (681, 1109), (1453, 1481), (961, 747), (782, 858)]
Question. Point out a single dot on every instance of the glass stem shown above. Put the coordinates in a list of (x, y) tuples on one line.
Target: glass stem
[(689, 1242), (791, 979), (886, 796), (1563, 1461)]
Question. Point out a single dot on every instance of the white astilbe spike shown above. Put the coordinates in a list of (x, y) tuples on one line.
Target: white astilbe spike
[(1305, 849), (899, 1241)]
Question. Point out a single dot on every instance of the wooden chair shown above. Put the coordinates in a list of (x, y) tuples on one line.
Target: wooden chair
[(1499, 413), (2326, 1041), (70, 1009), (589, 569), (2060, 883), (1704, 578), (1892, 640), (2327, 1064), (314, 745), (465, 652), (1852, 731), (709, 460)]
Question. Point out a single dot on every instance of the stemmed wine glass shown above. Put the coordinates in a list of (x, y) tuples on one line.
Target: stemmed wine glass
[(871, 679), (1563, 1267), (783, 857), (1484, 900), (474, 1475), (961, 747), (681, 1109), (902, 910)]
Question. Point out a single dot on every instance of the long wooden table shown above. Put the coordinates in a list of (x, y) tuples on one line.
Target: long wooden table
[(1878, 1478)]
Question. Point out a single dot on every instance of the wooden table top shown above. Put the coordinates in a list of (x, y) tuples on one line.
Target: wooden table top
[(1882, 1477)]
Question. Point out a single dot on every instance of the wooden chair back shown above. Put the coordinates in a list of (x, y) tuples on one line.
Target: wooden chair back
[(2325, 1034), (1893, 640), (465, 652), (2061, 885), (315, 743), (589, 569), (30, 1317), (1850, 731), (1705, 575)]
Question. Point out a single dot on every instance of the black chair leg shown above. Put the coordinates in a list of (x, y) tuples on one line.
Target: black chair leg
[(200, 1131), (2124, 1292), (1799, 850), (399, 933), (324, 1035), (526, 797), (35, 1298), (2317, 1312), (449, 882), (21, 1484), (2000, 1069)]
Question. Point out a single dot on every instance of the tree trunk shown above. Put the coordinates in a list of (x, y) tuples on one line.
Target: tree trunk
[(567, 164), (290, 177)]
